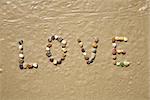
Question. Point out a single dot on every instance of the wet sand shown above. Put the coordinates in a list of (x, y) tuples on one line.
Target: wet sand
[(35, 20)]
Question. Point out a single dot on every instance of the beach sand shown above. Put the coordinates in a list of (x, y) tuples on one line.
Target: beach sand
[(35, 20)]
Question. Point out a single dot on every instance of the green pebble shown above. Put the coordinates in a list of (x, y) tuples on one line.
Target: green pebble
[(122, 64)]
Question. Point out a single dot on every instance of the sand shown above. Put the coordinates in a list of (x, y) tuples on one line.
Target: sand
[(35, 20)]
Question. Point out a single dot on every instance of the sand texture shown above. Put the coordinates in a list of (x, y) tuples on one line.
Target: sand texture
[(35, 20)]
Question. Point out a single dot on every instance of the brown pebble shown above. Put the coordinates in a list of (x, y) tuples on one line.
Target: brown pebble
[(49, 45), (29, 66), (78, 40), (53, 37), (94, 45), (86, 57), (20, 42), (113, 40), (96, 40), (124, 52), (51, 59), (114, 51), (82, 49), (63, 46), (60, 39), (63, 57), (114, 62), (114, 57)]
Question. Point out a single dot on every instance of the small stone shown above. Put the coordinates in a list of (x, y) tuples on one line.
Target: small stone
[(94, 50), (29, 66), (113, 40), (35, 65), (117, 38), (59, 61), (121, 38), (55, 62), (20, 42), (64, 42), (49, 39), (94, 45), (114, 51), (126, 63), (47, 48), (82, 49), (93, 55), (114, 62), (21, 61), (114, 57), (21, 66), (81, 44), (48, 54), (53, 37), (122, 64), (78, 40), (125, 39), (49, 45), (84, 53), (20, 51), (21, 56), (63, 46), (121, 51), (51, 59), (56, 37), (24, 66), (88, 62), (86, 57), (118, 63), (63, 57), (91, 60), (124, 52), (64, 50), (20, 47), (96, 40), (114, 45), (59, 39)]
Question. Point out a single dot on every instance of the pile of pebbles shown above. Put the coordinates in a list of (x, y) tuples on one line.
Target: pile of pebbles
[(21, 58), (63, 48), (116, 51), (89, 60)]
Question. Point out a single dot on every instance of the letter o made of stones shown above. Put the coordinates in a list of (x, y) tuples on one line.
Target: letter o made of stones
[(63, 48)]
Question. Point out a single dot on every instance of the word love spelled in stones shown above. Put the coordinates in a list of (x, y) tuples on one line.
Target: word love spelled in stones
[(63, 42)]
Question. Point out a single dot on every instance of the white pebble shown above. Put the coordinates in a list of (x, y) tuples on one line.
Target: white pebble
[(126, 63), (47, 48), (20, 47), (35, 65), (93, 55), (55, 62), (21, 55), (81, 44), (125, 39), (64, 49), (56, 37), (114, 45), (49, 39), (116, 38), (118, 63), (120, 51), (84, 53), (64, 42)]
